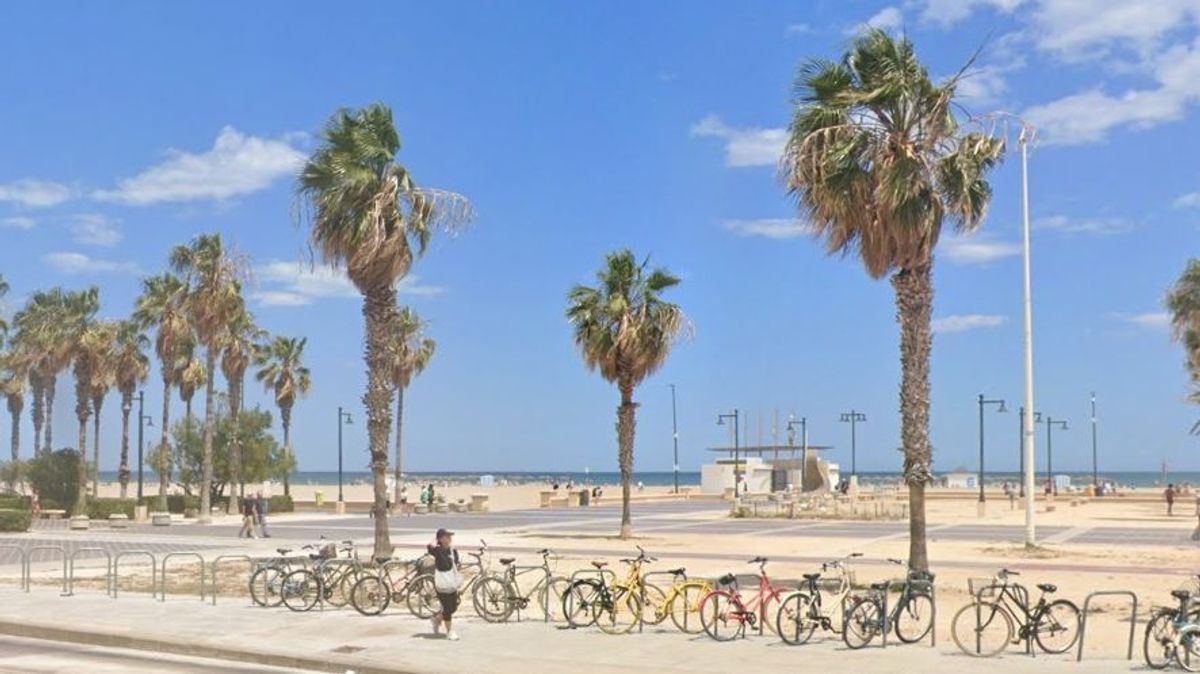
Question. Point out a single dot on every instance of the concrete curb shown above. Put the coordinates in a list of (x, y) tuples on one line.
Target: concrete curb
[(198, 650)]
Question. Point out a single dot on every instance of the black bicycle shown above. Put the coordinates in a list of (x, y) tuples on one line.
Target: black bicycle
[(1002, 610), (1161, 642), (911, 617), (802, 612)]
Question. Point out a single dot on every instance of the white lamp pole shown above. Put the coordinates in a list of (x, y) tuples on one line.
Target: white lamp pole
[(1030, 528)]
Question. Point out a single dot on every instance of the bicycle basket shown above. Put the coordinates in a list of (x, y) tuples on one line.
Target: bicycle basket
[(727, 579), (327, 551), (425, 563), (988, 587)]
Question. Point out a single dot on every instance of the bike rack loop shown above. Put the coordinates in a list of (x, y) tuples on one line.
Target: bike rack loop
[(1018, 589), (1132, 619), (645, 577), (212, 573), (162, 575), (605, 575), (29, 561), (22, 582), (116, 576), (108, 575)]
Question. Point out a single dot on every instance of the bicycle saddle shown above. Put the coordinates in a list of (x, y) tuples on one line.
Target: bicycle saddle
[(677, 572), (1047, 588), (727, 579), (382, 560), (599, 565), (507, 560), (880, 586), (810, 576), (283, 551), (1181, 594)]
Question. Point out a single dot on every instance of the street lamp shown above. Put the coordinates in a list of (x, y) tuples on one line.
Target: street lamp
[(1095, 471), (143, 420), (791, 431), (737, 464), (675, 437), (343, 419), (1037, 418), (983, 402), (853, 417), (1050, 424)]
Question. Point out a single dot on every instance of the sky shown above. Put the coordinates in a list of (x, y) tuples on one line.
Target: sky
[(579, 128)]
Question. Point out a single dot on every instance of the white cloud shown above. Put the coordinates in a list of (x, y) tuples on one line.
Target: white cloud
[(1097, 226), (798, 29), (78, 263), (965, 322), (94, 229), (984, 86), (888, 18), (237, 164), (1154, 320), (1190, 200), (977, 249), (18, 222), (743, 147), (35, 193), (771, 228), (294, 284), (949, 12), (1075, 29)]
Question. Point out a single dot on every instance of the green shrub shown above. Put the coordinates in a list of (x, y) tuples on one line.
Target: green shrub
[(280, 504), (55, 477), (178, 503), (51, 504), (15, 520), (101, 508), (15, 502)]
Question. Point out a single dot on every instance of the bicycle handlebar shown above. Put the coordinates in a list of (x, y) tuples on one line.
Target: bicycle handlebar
[(758, 560), (893, 560), (1004, 573)]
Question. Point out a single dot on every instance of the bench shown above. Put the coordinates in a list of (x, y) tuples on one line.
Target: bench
[(441, 508), (80, 523), (560, 501), (479, 503), (118, 520), (458, 507), (53, 514), (160, 519), (420, 509)]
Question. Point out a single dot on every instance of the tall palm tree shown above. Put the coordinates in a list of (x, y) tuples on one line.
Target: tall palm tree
[(409, 352), (47, 336), (369, 217), (3, 324), (132, 367), (624, 329), (12, 387), (89, 345), (1183, 303), (189, 376), (161, 306), (281, 371), (241, 338), (214, 275), (877, 160), (104, 377)]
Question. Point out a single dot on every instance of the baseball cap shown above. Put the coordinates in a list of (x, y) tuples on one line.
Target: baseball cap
[(443, 532)]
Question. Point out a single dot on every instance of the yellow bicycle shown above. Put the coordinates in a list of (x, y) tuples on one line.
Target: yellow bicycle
[(681, 601)]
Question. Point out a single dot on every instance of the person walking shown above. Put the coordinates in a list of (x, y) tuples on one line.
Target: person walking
[(404, 501), (424, 497), (260, 505), (431, 497), (1170, 496), (446, 581), (249, 514)]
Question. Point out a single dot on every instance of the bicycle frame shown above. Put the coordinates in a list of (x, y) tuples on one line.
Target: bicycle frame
[(754, 607)]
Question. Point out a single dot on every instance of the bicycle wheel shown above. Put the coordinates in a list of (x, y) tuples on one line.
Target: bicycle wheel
[(793, 623), (550, 598), (1057, 629), (915, 618), (722, 615), (301, 590), (265, 585), (342, 585), (580, 596), (981, 629), (863, 622), (620, 614), (370, 595), (684, 606), (1158, 644), (654, 604), (491, 598), (1187, 654), (422, 598)]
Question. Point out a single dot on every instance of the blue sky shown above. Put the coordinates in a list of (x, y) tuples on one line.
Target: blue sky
[(578, 128)]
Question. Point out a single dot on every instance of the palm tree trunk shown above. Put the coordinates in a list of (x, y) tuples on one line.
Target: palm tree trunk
[(235, 445), (206, 464), (37, 411), (123, 471), (285, 417), (379, 306), (15, 405), (81, 413), (914, 308), (625, 430), (399, 471), (97, 403), (48, 393), (164, 447)]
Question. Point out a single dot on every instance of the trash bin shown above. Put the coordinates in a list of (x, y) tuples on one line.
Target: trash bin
[(585, 497), (320, 498)]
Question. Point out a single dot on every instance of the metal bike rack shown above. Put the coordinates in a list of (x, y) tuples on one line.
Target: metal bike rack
[(215, 563), (49, 548), (22, 582), (162, 575), (1132, 619), (116, 576), (517, 572), (606, 576), (1018, 589), (336, 561), (645, 577), (108, 574)]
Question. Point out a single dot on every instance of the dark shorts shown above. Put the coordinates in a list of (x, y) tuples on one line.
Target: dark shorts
[(449, 601)]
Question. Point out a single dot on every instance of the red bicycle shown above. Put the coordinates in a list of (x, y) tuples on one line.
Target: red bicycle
[(724, 612)]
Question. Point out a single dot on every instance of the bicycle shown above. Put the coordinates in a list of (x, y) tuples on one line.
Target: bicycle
[(724, 613), (985, 627), (266, 581), (422, 599), (373, 593), (911, 618), (800, 613), (1187, 650), (681, 602), (329, 581), (1160, 644), (617, 609), (498, 597)]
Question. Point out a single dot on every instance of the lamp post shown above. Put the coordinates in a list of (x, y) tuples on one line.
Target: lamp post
[(983, 402), (143, 420), (675, 437), (853, 417), (791, 430), (1050, 424), (1095, 468), (737, 463), (343, 417)]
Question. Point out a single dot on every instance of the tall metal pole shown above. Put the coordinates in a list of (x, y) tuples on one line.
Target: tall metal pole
[(737, 462), (675, 437), (340, 500), (1095, 468), (141, 401), (981, 496), (1021, 451), (1027, 311)]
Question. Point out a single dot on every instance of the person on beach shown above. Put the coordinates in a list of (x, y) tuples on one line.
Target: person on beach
[(431, 496), (424, 495), (249, 510), (260, 506), (1170, 496), (404, 501), (446, 581), (1010, 495)]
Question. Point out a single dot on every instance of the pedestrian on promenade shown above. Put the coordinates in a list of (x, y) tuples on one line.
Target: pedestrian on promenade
[(404, 500), (249, 513), (1170, 496), (446, 581), (260, 505), (431, 496), (35, 503), (424, 497), (1011, 495)]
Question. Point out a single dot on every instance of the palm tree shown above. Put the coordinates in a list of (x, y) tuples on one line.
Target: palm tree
[(369, 217), (409, 352), (281, 371), (625, 330), (132, 367), (12, 386), (1183, 303), (878, 160), (189, 376), (3, 324), (104, 377), (89, 343), (45, 334), (161, 306), (215, 297), (241, 338)]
